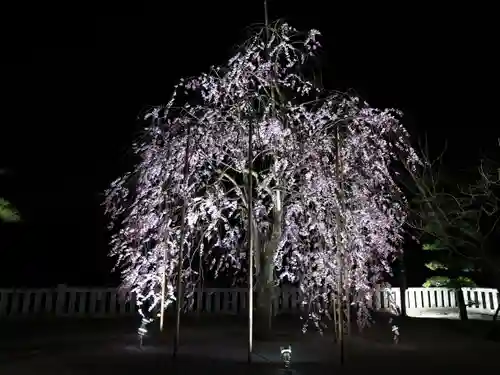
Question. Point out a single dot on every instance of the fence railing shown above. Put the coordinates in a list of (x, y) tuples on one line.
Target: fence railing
[(479, 300), (109, 302)]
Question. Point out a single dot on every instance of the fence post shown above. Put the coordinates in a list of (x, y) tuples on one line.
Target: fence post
[(60, 298)]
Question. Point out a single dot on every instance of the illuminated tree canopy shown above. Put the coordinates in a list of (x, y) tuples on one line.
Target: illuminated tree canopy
[(324, 192)]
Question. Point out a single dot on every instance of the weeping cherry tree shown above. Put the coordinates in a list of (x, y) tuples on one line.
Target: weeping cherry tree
[(327, 213)]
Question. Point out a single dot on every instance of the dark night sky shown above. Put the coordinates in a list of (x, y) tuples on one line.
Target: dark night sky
[(73, 83)]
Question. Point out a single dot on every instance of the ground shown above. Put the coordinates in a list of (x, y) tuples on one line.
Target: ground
[(219, 344)]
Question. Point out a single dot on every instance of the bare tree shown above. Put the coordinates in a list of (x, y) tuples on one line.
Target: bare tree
[(457, 217), (484, 196)]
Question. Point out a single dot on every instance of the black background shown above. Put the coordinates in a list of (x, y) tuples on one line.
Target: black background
[(74, 80)]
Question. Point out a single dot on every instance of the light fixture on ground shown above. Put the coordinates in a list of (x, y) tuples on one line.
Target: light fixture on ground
[(286, 355), (142, 331)]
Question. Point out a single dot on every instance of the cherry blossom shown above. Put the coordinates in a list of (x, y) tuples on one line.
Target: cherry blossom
[(324, 191)]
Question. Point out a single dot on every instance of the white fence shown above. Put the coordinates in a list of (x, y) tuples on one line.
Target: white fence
[(97, 302), (439, 301)]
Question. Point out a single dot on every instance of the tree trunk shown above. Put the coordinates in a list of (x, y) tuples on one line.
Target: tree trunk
[(266, 281), (462, 308), (497, 311), (494, 330), (263, 310), (495, 316)]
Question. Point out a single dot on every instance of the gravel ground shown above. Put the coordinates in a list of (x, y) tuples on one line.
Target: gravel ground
[(105, 347)]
